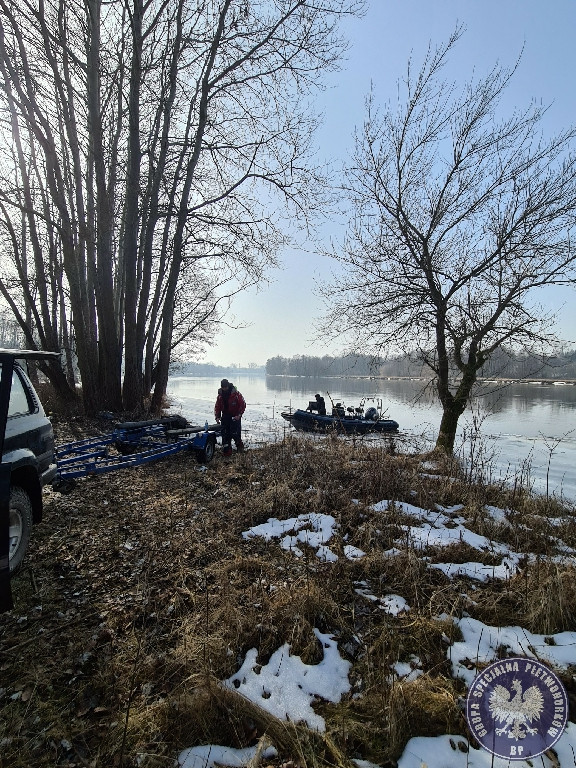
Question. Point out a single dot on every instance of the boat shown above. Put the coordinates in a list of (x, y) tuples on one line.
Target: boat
[(343, 420)]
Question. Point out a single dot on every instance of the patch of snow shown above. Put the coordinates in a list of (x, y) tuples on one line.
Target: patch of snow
[(497, 514), (478, 571), (286, 687), (325, 554), (364, 763), (443, 751), (394, 604), (313, 529), (211, 755), (408, 670), (353, 553), (367, 594), (432, 536), (400, 506), (482, 641)]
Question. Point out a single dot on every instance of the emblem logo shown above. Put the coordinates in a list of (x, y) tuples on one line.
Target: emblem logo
[(517, 708)]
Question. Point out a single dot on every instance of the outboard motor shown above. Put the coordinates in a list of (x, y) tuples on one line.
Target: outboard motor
[(372, 414)]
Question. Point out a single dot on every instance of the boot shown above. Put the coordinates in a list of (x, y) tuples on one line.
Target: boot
[(239, 446), (227, 450)]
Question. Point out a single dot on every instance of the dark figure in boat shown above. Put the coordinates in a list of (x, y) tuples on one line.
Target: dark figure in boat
[(318, 405)]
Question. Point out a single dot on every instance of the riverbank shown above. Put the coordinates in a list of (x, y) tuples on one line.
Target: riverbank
[(147, 588), (518, 431)]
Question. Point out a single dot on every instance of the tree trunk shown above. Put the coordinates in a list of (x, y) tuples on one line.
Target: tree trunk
[(132, 392), (109, 348), (455, 404), (448, 426), (165, 350), (148, 309)]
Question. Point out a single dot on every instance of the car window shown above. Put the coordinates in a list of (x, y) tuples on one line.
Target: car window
[(19, 401)]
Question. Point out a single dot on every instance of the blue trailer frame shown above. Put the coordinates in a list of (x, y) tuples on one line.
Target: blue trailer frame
[(132, 444)]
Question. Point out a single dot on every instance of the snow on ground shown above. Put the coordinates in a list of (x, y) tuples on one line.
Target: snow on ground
[(482, 642), (287, 688), (479, 571), (454, 752), (314, 529), (408, 670), (442, 527), (393, 604), (208, 755)]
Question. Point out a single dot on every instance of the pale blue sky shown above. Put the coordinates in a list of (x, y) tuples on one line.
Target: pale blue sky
[(282, 315)]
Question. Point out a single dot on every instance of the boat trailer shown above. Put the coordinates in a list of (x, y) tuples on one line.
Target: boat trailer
[(131, 444)]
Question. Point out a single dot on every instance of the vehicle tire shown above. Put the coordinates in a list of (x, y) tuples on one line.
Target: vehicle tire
[(207, 453), (20, 526)]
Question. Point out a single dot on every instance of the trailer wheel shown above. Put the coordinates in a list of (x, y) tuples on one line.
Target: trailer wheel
[(206, 454), (20, 527)]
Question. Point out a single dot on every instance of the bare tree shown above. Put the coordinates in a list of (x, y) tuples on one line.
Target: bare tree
[(34, 280), (169, 134), (459, 217), (39, 87)]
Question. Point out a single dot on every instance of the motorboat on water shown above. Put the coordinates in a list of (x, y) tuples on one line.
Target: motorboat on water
[(343, 420)]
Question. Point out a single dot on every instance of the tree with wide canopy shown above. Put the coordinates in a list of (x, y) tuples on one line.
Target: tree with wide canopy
[(459, 217)]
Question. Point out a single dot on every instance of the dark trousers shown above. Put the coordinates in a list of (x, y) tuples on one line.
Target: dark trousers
[(231, 430)]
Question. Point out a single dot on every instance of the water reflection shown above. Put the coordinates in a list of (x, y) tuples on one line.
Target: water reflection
[(523, 397), (401, 390)]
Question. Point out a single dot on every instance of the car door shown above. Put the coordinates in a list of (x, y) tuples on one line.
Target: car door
[(29, 437)]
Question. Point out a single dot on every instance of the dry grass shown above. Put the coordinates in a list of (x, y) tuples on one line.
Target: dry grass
[(140, 594)]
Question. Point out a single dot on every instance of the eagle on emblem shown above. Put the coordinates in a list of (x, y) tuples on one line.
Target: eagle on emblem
[(516, 710)]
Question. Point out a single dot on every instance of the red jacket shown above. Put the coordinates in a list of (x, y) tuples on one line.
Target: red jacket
[(236, 404)]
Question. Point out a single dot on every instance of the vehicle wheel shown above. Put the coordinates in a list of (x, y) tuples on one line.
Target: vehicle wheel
[(207, 453), (20, 526)]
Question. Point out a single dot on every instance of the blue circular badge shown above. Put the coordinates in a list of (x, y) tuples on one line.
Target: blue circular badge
[(517, 708)]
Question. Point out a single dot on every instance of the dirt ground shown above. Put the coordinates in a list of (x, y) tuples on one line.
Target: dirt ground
[(139, 594)]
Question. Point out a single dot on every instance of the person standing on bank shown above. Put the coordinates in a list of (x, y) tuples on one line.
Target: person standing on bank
[(230, 405)]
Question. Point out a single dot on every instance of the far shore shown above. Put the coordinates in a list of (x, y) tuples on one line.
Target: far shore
[(261, 372), (568, 382)]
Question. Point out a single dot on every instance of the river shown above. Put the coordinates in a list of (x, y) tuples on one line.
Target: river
[(526, 431)]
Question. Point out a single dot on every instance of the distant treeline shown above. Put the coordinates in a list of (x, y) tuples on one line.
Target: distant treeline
[(302, 365), (505, 364), (210, 369), (502, 364)]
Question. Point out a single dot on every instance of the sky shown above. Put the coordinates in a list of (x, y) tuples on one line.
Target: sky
[(280, 318), (287, 688)]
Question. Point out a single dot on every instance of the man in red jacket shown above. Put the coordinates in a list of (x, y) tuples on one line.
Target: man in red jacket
[(230, 405)]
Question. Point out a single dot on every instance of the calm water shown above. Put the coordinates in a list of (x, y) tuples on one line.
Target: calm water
[(525, 430)]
